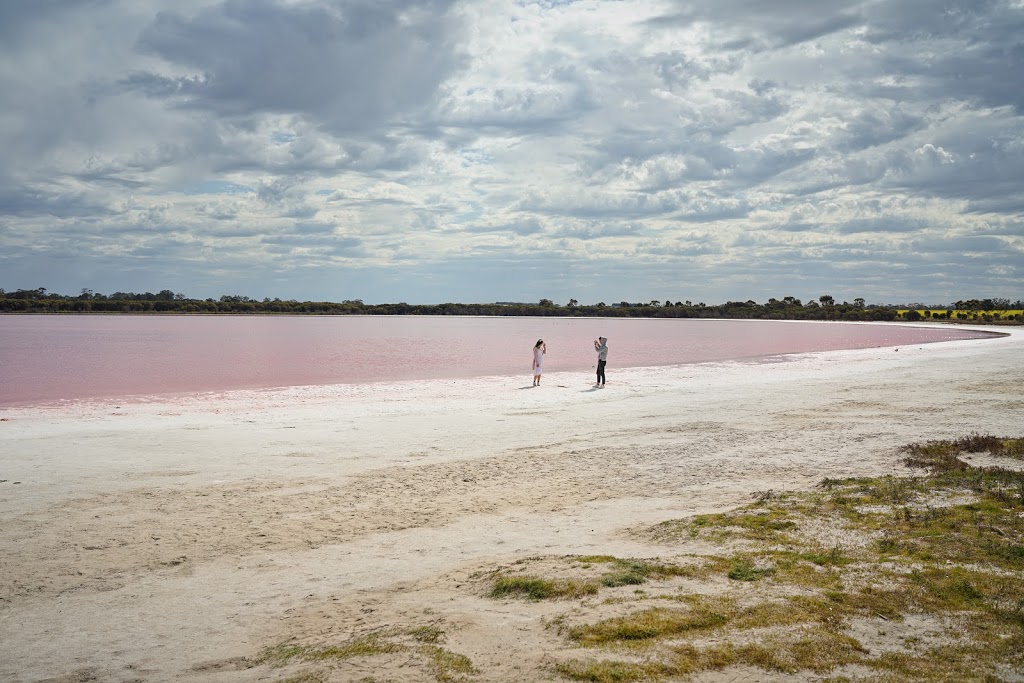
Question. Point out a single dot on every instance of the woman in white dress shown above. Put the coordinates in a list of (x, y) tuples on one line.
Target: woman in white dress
[(539, 349)]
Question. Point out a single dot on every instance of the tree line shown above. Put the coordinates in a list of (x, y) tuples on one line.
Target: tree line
[(787, 308)]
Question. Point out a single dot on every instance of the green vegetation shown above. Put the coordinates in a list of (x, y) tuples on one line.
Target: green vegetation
[(788, 308), (945, 548), (819, 652), (636, 572), (446, 666), (648, 625), (363, 646), (744, 570), (421, 642), (758, 523), (533, 588), (615, 572)]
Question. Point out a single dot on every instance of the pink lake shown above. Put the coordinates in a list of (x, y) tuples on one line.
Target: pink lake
[(45, 359)]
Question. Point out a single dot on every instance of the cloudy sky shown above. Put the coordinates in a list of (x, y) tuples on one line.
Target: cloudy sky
[(500, 150)]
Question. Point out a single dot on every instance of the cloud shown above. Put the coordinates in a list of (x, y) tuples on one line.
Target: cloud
[(514, 151), (353, 65), (19, 19), (527, 226), (25, 203), (895, 224), (759, 26)]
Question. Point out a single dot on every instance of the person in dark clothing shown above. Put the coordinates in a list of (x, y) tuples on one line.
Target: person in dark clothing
[(601, 346)]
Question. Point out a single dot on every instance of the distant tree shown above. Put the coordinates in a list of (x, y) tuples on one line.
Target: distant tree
[(655, 302), (826, 300), (667, 303), (546, 303), (601, 304), (572, 303), (858, 302), (974, 305)]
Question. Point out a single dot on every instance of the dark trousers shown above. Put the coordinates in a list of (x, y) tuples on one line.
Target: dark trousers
[(600, 371)]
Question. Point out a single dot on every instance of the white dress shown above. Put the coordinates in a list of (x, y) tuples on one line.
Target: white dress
[(538, 357)]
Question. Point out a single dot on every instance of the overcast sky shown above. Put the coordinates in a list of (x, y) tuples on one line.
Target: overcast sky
[(492, 150)]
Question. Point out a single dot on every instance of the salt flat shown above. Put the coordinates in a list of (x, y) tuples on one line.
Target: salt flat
[(177, 539)]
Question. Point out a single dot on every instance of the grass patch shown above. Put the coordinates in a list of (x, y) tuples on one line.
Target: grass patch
[(362, 646), (609, 671), (279, 655), (636, 572), (648, 625), (819, 651), (365, 646), (595, 559), (745, 570), (619, 572), (427, 634), (533, 588), (761, 522), (949, 548), (447, 666)]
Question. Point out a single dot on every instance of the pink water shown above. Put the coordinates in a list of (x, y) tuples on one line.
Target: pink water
[(44, 359)]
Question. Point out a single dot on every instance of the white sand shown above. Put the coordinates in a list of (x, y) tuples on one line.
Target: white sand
[(170, 540)]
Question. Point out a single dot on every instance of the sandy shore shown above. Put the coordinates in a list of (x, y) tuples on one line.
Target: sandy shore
[(175, 540)]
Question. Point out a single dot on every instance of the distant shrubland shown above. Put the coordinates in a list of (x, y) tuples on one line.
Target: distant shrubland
[(787, 308)]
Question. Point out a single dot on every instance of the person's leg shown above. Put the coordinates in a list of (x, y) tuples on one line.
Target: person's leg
[(600, 371)]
